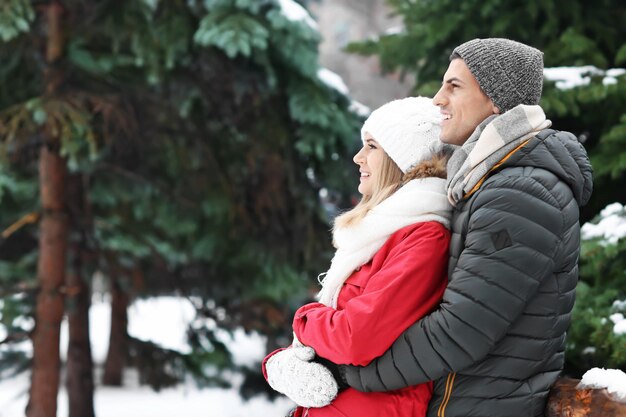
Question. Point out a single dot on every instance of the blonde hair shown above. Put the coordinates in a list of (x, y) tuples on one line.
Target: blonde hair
[(389, 181)]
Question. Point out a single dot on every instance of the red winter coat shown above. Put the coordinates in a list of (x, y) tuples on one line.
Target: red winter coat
[(404, 281)]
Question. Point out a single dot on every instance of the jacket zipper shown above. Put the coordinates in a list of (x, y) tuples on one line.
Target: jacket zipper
[(446, 397)]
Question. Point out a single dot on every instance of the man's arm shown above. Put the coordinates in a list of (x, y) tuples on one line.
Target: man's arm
[(512, 237)]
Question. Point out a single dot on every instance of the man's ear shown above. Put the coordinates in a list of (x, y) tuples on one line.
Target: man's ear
[(495, 109)]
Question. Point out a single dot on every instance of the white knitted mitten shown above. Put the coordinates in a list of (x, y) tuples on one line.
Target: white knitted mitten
[(308, 384)]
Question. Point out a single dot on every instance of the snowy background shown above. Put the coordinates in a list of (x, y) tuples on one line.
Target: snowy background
[(164, 320), (161, 320)]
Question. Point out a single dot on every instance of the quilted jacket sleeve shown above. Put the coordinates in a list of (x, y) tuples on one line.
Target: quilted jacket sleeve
[(512, 238)]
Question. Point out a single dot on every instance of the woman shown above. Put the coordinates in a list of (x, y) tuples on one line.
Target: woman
[(390, 263)]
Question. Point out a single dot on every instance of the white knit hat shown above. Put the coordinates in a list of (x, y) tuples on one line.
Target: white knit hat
[(407, 129)]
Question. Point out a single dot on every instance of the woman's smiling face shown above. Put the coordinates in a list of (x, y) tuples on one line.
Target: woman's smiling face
[(370, 160)]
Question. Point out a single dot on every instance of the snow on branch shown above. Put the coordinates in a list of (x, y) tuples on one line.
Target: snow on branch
[(296, 13), (614, 380), (611, 227), (570, 77)]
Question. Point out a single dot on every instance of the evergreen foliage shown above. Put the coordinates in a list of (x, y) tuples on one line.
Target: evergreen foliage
[(15, 17), (201, 134), (571, 34), (592, 340)]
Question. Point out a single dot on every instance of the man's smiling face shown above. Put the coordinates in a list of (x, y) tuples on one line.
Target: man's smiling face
[(463, 104)]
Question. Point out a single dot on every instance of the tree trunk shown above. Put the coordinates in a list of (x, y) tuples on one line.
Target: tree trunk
[(118, 341), (79, 362), (52, 248), (566, 400), (50, 276)]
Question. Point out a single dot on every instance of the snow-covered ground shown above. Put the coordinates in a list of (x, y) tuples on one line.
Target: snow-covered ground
[(162, 320), (184, 400)]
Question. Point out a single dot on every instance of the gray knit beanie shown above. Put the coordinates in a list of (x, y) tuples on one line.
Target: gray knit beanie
[(509, 72)]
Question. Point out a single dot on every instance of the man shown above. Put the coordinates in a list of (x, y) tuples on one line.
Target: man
[(496, 343)]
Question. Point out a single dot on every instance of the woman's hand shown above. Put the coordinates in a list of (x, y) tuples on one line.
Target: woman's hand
[(292, 373)]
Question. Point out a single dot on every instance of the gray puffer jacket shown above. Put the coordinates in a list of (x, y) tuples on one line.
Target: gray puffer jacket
[(496, 343)]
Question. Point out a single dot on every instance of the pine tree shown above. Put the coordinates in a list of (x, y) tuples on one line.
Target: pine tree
[(200, 134)]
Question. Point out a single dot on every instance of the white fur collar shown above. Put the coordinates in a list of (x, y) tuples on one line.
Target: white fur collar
[(419, 200)]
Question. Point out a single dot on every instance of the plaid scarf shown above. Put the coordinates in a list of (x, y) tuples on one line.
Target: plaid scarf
[(493, 139)]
